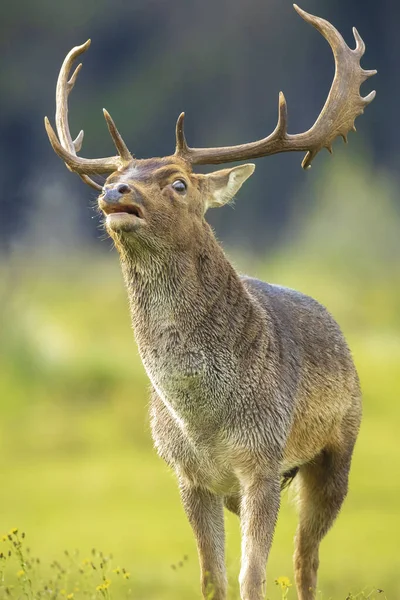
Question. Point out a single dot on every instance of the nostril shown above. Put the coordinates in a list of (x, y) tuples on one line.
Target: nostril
[(123, 188), (114, 193)]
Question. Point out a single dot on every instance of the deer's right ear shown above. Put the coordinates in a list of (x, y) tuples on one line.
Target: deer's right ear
[(223, 185)]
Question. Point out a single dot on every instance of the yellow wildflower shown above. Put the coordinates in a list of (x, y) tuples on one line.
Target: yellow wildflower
[(14, 530), (4, 538), (127, 575), (103, 586), (283, 582), (117, 570), (70, 596), (21, 573)]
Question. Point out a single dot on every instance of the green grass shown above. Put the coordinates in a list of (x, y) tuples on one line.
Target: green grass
[(77, 466)]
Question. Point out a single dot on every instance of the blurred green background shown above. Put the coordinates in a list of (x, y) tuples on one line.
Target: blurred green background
[(76, 460)]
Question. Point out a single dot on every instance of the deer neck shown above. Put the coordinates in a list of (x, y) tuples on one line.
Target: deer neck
[(194, 324), (180, 290)]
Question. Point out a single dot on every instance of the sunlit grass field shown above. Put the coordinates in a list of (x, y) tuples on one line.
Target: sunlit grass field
[(77, 466)]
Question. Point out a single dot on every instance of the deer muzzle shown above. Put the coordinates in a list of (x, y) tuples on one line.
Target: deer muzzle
[(122, 206)]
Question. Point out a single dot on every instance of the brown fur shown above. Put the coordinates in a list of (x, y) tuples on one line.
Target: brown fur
[(250, 381)]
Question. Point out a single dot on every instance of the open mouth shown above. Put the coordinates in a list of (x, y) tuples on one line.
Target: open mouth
[(122, 217), (121, 209)]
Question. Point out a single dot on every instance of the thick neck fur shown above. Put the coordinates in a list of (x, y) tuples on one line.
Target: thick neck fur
[(197, 329), (182, 289)]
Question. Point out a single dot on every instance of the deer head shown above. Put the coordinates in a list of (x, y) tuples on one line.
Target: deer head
[(161, 201)]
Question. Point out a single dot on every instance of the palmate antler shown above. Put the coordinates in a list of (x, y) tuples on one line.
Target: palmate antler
[(341, 108), (343, 105)]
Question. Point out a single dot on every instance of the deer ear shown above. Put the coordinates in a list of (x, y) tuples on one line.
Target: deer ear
[(223, 185)]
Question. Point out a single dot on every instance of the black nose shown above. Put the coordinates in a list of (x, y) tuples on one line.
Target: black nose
[(113, 194)]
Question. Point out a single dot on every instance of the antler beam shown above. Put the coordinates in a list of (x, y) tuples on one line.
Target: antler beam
[(343, 105), (64, 146)]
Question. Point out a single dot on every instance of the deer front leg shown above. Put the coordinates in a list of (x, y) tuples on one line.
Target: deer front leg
[(258, 514), (205, 513)]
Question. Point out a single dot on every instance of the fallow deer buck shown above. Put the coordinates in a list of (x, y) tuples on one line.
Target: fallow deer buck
[(252, 384)]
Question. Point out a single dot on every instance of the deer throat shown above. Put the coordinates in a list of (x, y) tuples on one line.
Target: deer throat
[(182, 320)]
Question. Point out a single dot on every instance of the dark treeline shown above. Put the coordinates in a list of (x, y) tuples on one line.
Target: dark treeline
[(221, 61)]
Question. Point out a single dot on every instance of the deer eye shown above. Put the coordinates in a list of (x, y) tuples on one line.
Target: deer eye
[(179, 186)]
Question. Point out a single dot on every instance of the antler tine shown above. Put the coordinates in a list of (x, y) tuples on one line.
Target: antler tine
[(281, 127), (67, 148), (360, 46), (117, 139), (343, 105), (78, 141), (181, 145)]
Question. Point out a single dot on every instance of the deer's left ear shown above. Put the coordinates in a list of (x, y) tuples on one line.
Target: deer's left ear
[(223, 185)]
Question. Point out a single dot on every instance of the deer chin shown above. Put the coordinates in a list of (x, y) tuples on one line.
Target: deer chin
[(123, 222)]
